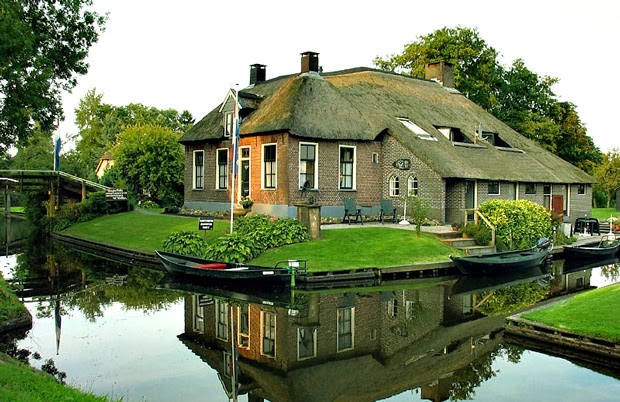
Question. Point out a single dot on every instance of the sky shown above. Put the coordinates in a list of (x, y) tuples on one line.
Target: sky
[(186, 54)]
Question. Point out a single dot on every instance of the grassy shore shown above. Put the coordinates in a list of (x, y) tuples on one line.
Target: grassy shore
[(335, 250), (592, 314)]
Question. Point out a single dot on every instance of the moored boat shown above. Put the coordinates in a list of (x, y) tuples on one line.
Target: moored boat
[(605, 247), (224, 271), (504, 261)]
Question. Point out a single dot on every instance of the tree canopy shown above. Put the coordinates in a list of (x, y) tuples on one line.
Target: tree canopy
[(607, 175), (516, 95), (43, 48)]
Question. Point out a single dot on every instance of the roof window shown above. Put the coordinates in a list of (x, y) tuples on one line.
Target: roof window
[(417, 130)]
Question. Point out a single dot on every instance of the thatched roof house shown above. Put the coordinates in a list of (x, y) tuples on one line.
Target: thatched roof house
[(446, 139)]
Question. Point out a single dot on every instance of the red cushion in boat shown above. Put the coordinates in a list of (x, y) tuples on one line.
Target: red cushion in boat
[(211, 265)]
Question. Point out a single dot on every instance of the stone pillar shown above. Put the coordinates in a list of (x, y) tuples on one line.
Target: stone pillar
[(310, 217)]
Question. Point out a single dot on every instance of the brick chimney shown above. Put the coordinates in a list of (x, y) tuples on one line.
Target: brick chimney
[(257, 73), (309, 62), (442, 72)]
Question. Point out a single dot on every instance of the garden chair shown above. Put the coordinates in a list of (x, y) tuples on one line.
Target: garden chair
[(388, 212), (351, 210)]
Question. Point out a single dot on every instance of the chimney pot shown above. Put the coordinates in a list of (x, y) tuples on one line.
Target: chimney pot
[(257, 73), (309, 62)]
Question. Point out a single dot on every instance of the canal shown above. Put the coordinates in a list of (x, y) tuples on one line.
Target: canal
[(131, 332)]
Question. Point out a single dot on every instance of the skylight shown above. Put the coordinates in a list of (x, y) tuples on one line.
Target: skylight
[(417, 130)]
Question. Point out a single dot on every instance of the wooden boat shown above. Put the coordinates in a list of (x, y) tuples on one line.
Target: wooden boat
[(223, 271), (504, 261), (605, 247), (468, 284)]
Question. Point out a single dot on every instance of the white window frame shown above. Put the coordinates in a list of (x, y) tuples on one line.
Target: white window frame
[(353, 167), (499, 187), (413, 185), (316, 165), (271, 335), (313, 332), (264, 167), (340, 327), (229, 122), (243, 338), (417, 130), (581, 189), (195, 172), (394, 186), (217, 168), (221, 320)]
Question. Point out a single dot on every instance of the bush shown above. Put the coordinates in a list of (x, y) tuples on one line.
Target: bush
[(185, 243), (519, 224)]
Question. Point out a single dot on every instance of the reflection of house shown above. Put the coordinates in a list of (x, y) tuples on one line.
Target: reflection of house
[(369, 134), (105, 162), (348, 346)]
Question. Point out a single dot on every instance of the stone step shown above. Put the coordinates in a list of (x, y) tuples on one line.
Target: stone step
[(478, 250), (459, 242)]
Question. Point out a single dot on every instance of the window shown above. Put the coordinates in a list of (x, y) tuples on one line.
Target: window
[(221, 324), (547, 196), (199, 171), (530, 188), (222, 169), (347, 168), (269, 166), (345, 318), (581, 189), (199, 315), (417, 130), (268, 332), (375, 157), (306, 342), (493, 188), (394, 187), (412, 185), (392, 308), (243, 319), (228, 124), (307, 165)]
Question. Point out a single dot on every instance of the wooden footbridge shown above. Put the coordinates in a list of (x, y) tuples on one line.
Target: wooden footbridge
[(60, 186)]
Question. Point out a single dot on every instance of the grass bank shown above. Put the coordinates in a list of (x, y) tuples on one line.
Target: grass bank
[(594, 314), (358, 247)]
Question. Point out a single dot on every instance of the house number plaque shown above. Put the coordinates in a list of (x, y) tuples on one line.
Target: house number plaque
[(402, 164)]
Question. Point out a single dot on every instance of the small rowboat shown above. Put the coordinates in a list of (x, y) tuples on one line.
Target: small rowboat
[(497, 263), (224, 271), (606, 247)]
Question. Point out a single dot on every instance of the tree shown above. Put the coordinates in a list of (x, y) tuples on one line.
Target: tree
[(150, 160), (43, 47), (607, 175), (517, 96), (37, 153), (99, 123)]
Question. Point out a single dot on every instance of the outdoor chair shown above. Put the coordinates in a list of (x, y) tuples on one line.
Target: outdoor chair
[(351, 210), (388, 212)]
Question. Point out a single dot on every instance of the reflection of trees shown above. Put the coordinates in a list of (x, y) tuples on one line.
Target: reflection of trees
[(611, 272), (468, 378), (511, 298)]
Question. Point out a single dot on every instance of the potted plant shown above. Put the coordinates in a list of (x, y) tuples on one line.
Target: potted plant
[(456, 226), (246, 202)]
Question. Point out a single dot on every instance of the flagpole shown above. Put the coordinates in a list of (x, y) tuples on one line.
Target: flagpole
[(234, 162)]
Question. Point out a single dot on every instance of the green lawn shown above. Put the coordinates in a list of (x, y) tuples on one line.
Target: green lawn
[(604, 213), (337, 248), (594, 313)]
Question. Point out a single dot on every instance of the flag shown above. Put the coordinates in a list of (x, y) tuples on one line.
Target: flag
[(57, 146), (235, 133)]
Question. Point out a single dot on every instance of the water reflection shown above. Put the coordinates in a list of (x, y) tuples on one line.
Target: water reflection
[(134, 332)]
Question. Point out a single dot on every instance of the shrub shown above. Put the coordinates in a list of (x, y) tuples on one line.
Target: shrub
[(519, 224), (185, 243)]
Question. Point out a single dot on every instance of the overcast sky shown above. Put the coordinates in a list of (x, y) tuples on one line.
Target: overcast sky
[(186, 54)]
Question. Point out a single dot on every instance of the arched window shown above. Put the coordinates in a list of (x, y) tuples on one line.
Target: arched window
[(394, 187), (412, 185)]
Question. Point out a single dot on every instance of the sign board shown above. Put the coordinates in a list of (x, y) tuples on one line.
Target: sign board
[(205, 224), (402, 164), (116, 194)]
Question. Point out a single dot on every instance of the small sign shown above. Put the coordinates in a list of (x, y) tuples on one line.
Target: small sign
[(116, 194), (402, 164), (205, 224)]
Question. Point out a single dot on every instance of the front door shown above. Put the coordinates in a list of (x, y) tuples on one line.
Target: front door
[(244, 185), (557, 204), (470, 199)]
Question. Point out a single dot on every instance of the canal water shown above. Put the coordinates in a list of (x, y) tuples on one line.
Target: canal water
[(134, 333)]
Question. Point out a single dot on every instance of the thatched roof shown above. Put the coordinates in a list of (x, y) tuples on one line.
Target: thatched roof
[(360, 104)]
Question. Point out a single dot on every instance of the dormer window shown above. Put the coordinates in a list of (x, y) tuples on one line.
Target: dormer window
[(454, 134), (417, 130), (228, 124)]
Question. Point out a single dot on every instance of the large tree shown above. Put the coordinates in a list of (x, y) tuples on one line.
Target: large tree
[(607, 175), (99, 124), (519, 97), (43, 48), (150, 160)]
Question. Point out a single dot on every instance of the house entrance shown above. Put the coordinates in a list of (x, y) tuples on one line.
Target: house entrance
[(470, 199), (557, 204), (244, 184)]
